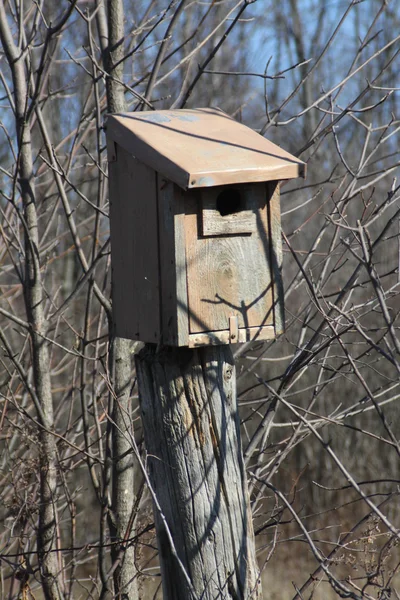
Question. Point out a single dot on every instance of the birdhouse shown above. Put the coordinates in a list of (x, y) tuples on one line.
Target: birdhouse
[(195, 228)]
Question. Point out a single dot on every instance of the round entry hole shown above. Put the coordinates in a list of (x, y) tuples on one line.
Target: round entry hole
[(229, 202)]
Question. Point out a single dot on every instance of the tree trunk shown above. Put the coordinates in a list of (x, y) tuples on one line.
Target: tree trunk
[(50, 563), (121, 518), (123, 491), (195, 464)]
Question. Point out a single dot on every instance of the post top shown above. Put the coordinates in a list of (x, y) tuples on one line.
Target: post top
[(202, 147)]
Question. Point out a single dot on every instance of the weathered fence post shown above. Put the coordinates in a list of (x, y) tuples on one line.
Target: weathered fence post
[(194, 459)]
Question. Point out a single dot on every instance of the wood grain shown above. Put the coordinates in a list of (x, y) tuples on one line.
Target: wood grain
[(249, 334), (174, 302), (227, 275), (243, 221), (192, 435), (171, 282), (274, 211)]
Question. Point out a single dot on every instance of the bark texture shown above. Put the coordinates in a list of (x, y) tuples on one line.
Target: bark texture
[(122, 515), (123, 493), (114, 57), (195, 464)]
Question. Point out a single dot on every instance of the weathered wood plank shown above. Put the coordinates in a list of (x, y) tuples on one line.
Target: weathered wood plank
[(191, 429), (228, 275), (202, 147), (274, 210), (174, 298), (243, 201), (249, 334), (135, 267)]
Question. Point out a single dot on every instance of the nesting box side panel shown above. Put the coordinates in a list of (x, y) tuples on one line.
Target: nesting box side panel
[(274, 210), (174, 303), (134, 248)]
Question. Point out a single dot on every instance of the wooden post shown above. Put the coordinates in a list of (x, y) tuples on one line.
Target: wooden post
[(195, 464)]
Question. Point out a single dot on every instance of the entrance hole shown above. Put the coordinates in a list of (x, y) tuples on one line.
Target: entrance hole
[(229, 201)]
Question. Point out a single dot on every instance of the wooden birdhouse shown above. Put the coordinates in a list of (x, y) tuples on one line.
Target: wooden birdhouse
[(195, 228)]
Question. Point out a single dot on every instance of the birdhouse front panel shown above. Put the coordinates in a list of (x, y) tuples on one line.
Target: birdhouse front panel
[(229, 270), (195, 228)]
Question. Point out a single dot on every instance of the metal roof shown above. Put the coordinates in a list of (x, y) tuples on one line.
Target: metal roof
[(202, 147)]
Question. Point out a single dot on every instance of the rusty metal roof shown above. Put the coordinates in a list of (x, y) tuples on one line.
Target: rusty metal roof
[(202, 147)]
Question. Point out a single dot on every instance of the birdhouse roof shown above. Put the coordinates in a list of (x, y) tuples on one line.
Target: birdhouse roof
[(203, 147)]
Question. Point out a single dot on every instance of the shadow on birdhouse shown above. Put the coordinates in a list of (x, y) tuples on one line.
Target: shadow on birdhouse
[(195, 228)]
